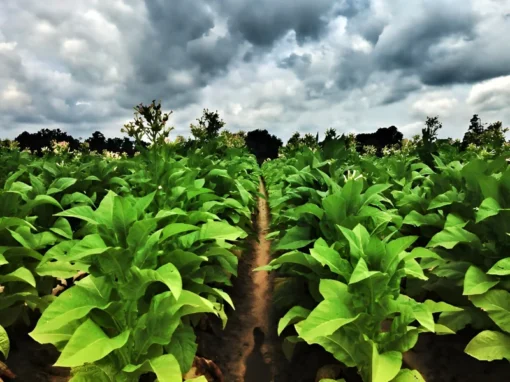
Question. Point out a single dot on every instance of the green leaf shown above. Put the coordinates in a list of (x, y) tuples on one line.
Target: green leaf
[(60, 185), (501, 268), (166, 368), (183, 346), (451, 236), (424, 316), (330, 315), (496, 303), (81, 212), (331, 258), (220, 230), (40, 200), (477, 282), (417, 219), (394, 249), (73, 304), (176, 229), (63, 228), (295, 238), (4, 342), (123, 216), (406, 375), (19, 275), (489, 346), (489, 207), (89, 344), (308, 208), (445, 199), (295, 313), (386, 366), (361, 272)]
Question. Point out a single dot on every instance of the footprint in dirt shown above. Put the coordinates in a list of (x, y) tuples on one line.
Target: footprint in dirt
[(256, 369)]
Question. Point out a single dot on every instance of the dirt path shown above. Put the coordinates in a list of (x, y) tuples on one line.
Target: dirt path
[(233, 349)]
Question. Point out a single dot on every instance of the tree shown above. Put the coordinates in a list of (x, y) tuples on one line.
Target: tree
[(310, 141), (428, 145), (43, 138), (97, 142), (211, 122), (384, 136), (263, 145), (474, 133)]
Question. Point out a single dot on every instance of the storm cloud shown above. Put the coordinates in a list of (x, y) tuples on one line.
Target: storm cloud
[(289, 65)]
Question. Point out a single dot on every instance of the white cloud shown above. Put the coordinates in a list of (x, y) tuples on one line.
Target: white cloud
[(436, 103), (490, 95)]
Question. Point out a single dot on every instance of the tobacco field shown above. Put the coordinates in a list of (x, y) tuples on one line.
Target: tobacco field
[(118, 264)]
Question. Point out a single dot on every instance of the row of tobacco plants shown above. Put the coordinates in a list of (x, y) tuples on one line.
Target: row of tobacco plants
[(153, 238), (370, 252)]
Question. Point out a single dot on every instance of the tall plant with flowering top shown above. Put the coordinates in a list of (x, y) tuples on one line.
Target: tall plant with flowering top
[(150, 123)]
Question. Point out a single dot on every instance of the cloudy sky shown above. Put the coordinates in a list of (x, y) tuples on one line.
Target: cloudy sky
[(281, 65)]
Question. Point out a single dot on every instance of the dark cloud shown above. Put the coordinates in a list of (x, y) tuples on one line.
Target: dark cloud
[(265, 21), (295, 60)]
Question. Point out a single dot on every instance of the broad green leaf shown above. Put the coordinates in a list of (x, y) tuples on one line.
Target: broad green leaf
[(220, 230), (60, 185), (394, 249), (424, 316), (385, 366), (90, 245), (501, 268), (19, 275), (451, 236), (489, 207), (183, 346), (417, 219), (139, 233), (331, 258), (330, 315), (81, 212), (358, 239), (489, 346), (413, 269), (168, 274), (406, 375), (308, 208), (89, 344), (124, 215), (176, 229), (477, 282), (324, 320), (441, 306), (496, 303), (74, 304), (60, 269), (454, 220), (420, 253), (295, 313), (166, 368), (4, 342), (334, 207), (445, 199), (63, 228), (361, 272), (96, 373), (41, 200), (295, 238)]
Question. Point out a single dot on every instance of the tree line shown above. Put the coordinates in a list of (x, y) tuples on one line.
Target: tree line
[(150, 122)]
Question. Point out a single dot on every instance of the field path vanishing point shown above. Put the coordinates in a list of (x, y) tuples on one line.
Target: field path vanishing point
[(233, 349)]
